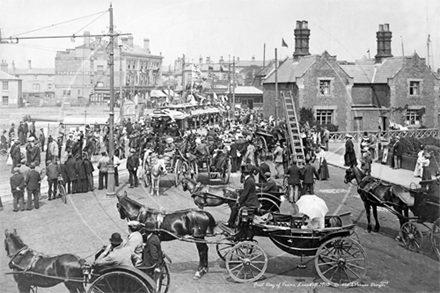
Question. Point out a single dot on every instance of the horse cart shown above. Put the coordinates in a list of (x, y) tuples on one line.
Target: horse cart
[(426, 209), (339, 259), (32, 269)]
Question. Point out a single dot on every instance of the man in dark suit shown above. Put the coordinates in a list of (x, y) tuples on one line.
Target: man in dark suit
[(17, 189), (263, 169), (252, 169), (247, 198), (132, 166), (397, 153), (294, 180), (234, 158), (270, 185), (309, 174), (152, 255), (32, 182)]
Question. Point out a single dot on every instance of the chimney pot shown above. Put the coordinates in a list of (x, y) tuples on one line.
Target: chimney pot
[(304, 24), (298, 24), (29, 64), (386, 27), (381, 27), (147, 45)]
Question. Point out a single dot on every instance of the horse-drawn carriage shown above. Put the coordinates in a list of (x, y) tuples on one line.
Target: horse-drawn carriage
[(33, 269), (339, 259)]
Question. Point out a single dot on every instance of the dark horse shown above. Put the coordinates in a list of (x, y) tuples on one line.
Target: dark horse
[(376, 193), (174, 225), (208, 196), (32, 267)]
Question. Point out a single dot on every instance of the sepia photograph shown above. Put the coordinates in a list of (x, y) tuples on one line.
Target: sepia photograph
[(180, 146)]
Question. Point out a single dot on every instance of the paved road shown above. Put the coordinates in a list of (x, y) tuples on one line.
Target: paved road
[(87, 221)]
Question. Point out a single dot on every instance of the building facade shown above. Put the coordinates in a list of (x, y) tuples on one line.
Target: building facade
[(11, 88), (38, 83), (83, 72), (364, 95)]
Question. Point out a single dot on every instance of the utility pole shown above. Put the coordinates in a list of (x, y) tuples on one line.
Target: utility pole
[(233, 85), (276, 88), (169, 81), (121, 96), (183, 74), (111, 170)]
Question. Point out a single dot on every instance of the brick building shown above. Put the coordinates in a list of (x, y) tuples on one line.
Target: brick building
[(361, 95), (11, 88), (83, 72)]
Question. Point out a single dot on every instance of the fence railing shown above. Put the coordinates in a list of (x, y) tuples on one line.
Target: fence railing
[(417, 133)]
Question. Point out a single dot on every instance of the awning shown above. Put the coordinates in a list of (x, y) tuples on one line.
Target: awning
[(157, 94)]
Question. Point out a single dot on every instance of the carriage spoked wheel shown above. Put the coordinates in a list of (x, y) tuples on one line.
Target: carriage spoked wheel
[(62, 193), (246, 262), (341, 261), (178, 172), (163, 280), (122, 282), (412, 237), (268, 205), (435, 237), (223, 248)]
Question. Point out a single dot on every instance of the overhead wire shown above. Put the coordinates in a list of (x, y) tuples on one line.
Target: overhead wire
[(64, 22), (90, 22)]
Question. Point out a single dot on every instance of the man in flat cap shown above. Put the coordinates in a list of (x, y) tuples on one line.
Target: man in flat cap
[(17, 189)]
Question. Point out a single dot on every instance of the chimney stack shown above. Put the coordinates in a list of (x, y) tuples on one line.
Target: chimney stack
[(221, 60), (208, 60), (29, 64), (130, 41), (124, 40), (302, 35), (200, 60), (4, 66), (86, 39), (147, 45), (383, 42), (13, 66)]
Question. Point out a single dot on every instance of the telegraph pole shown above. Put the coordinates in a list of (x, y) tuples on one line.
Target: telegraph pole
[(111, 170), (121, 97), (233, 85), (276, 88)]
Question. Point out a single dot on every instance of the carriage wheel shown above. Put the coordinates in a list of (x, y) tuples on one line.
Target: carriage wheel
[(411, 236), (121, 282), (341, 260), (435, 237), (268, 205), (147, 178), (163, 280), (62, 193), (246, 262), (226, 172), (223, 248)]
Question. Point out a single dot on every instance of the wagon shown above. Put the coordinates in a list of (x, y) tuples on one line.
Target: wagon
[(339, 259), (426, 209)]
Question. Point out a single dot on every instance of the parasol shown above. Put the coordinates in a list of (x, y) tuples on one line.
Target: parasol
[(312, 206)]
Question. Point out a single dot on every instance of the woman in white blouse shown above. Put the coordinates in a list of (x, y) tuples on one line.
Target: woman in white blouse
[(418, 169)]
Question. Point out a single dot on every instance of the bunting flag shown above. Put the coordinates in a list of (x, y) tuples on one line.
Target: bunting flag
[(284, 44)]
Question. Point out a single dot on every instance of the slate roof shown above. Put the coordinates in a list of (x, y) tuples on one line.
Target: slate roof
[(26, 71), (360, 73), (7, 76), (247, 90), (367, 71), (292, 69)]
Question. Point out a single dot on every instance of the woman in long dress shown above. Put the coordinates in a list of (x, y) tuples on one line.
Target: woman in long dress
[(322, 164), (426, 174), (419, 168)]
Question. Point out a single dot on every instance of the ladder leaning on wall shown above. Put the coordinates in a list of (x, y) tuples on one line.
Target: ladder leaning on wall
[(293, 133)]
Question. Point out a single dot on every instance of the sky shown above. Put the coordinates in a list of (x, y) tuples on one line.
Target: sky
[(215, 28)]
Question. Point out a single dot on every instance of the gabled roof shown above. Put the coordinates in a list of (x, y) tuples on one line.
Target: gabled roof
[(7, 76), (292, 69)]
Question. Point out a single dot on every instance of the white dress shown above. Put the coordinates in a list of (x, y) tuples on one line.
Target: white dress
[(418, 171)]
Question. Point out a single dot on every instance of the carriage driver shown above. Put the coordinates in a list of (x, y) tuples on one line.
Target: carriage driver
[(114, 254), (248, 196), (135, 242)]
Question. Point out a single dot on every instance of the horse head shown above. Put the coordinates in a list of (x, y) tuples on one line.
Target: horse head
[(353, 173), (349, 176), (127, 207), (13, 243)]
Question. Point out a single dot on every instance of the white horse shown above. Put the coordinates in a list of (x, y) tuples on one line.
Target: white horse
[(154, 168)]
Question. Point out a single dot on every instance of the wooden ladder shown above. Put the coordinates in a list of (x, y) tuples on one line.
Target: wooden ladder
[(293, 135)]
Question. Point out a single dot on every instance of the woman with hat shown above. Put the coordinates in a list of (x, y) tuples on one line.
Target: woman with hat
[(366, 161), (350, 154), (278, 158), (114, 254), (152, 255), (418, 171), (135, 242)]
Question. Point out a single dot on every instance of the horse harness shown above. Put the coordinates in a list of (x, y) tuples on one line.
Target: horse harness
[(17, 261), (375, 184), (142, 217)]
